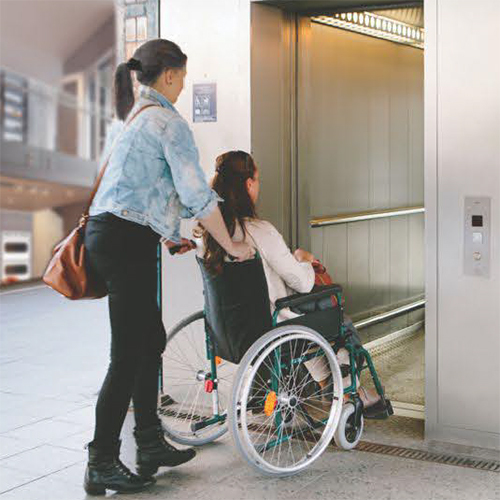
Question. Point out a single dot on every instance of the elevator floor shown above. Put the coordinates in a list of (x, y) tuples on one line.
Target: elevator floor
[(400, 366)]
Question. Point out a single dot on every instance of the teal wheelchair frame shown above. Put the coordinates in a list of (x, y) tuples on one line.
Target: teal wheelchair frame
[(191, 423)]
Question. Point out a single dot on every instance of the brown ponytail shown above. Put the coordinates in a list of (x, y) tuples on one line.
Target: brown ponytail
[(150, 60), (232, 171)]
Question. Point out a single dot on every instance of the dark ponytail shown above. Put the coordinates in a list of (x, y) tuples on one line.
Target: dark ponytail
[(150, 60), (124, 91)]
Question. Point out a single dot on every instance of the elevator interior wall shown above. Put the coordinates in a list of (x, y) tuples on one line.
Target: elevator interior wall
[(360, 148)]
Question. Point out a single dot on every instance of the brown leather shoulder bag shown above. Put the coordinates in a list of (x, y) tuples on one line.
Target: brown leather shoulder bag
[(67, 271)]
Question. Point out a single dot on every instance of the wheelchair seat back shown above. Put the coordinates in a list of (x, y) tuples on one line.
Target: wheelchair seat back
[(237, 308)]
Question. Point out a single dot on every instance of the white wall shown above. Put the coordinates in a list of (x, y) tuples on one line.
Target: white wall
[(216, 38), (47, 232), (462, 121)]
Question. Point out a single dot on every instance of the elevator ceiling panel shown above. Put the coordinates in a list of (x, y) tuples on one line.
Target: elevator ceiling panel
[(324, 6), (413, 16)]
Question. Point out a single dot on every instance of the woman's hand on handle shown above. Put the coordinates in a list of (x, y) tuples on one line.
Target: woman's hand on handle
[(179, 248)]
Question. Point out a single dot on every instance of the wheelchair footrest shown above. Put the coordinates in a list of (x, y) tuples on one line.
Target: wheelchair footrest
[(201, 424), (379, 411)]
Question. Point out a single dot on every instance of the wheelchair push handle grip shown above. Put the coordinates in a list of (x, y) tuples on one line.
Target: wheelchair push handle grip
[(177, 248)]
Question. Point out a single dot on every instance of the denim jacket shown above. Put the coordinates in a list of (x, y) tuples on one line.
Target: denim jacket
[(154, 176)]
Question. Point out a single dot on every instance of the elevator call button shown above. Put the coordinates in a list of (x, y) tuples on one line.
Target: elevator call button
[(477, 236)]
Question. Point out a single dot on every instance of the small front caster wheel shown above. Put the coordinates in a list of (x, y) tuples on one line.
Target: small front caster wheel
[(347, 434)]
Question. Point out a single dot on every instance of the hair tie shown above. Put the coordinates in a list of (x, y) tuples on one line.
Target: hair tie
[(134, 64)]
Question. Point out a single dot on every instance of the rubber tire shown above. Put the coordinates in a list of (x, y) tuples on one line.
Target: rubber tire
[(340, 438), (256, 348)]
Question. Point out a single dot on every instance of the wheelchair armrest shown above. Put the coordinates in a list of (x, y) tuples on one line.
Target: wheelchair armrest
[(303, 298)]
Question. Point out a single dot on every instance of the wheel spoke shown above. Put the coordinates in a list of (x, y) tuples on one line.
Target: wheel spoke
[(291, 435), (185, 369)]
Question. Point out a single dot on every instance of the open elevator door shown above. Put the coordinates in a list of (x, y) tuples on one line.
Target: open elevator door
[(346, 109)]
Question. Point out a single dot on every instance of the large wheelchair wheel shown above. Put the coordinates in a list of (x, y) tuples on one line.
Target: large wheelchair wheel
[(193, 406), (280, 419)]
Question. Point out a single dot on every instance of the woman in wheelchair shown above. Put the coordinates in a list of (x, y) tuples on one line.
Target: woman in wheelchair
[(280, 371), (237, 181)]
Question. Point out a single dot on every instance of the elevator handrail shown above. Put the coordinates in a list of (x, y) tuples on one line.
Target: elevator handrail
[(391, 314), (366, 215)]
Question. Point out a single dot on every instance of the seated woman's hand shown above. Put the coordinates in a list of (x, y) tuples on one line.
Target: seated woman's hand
[(303, 255)]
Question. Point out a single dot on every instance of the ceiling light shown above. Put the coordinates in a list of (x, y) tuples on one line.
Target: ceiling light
[(377, 26)]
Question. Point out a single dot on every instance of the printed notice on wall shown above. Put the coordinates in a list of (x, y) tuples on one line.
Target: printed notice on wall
[(204, 102)]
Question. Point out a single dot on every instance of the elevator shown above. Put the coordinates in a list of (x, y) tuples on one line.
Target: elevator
[(337, 129)]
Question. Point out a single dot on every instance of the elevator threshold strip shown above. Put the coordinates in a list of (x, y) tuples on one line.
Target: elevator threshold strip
[(394, 451)]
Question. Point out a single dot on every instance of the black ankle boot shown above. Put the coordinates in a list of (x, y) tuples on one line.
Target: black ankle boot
[(106, 472), (153, 451)]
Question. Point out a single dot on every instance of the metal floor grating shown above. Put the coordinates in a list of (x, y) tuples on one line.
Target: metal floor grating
[(427, 456)]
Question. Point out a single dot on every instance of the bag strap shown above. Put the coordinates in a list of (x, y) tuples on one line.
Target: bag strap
[(97, 183)]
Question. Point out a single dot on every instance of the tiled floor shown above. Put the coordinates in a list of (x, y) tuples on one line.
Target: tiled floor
[(53, 358)]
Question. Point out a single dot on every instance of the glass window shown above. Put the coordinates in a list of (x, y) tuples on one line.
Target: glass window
[(130, 49), (142, 28), (130, 29), (13, 107)]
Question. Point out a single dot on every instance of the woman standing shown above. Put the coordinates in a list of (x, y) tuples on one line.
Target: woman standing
[(153, 178)]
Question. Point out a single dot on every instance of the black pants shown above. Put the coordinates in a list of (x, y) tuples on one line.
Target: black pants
[(125, 255)]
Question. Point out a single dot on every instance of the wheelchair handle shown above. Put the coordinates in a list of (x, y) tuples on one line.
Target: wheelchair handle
[(177, 248)]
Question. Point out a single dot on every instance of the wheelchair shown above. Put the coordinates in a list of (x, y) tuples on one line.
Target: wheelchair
[(234, 366)]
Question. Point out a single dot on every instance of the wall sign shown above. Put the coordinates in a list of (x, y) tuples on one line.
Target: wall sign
[(204, 102)]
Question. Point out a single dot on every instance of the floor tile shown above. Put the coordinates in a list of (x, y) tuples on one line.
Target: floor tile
[(10, 478), (45, 431), (84, 415), (9, 421), (75, 441), (72, 475), (45, 407), (11, 446), (43, 460), (46, 488)]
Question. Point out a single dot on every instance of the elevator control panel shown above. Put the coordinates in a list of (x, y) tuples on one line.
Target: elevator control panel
[(477, 236)]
